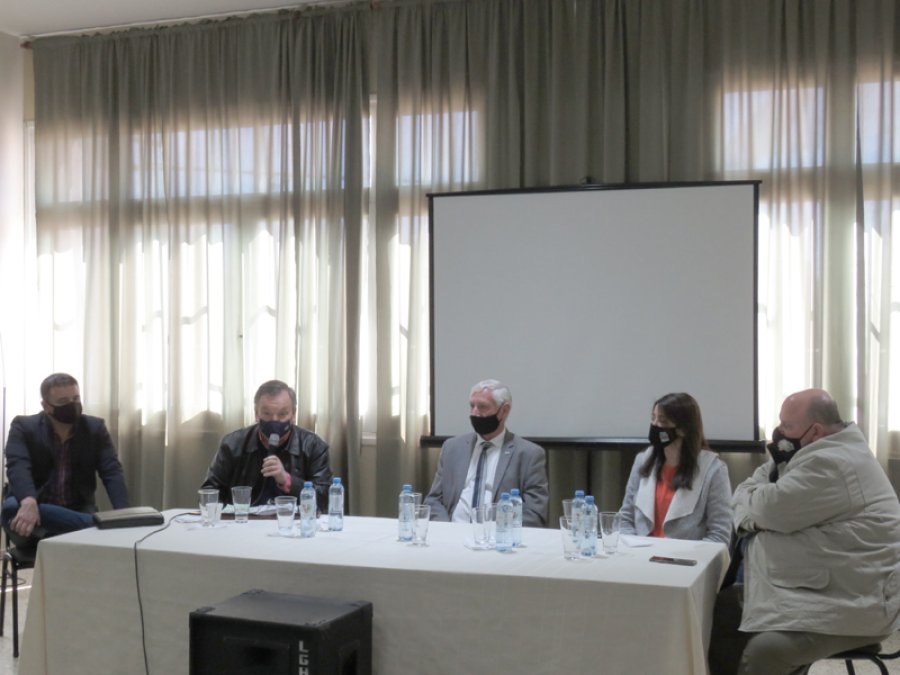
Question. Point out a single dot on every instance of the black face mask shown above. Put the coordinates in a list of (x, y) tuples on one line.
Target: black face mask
[(68, 413), (783, 448), (485, 425), (662, 437), (270, 427)]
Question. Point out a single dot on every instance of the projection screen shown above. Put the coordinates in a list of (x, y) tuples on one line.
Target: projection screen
[(592, 302)]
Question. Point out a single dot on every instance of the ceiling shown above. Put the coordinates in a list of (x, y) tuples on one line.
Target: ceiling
[(32, 18)]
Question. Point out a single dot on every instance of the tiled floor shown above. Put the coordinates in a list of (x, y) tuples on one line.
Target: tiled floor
[(9, 665)]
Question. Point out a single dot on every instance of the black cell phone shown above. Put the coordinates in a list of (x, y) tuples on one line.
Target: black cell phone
[(672, 561)]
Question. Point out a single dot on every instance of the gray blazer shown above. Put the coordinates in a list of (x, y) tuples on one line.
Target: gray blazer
[(522, 465), (703, 512)]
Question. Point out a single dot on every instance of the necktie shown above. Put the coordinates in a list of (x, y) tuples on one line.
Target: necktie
[(479, 475)]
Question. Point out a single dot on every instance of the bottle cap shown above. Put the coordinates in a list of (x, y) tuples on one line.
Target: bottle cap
[(589, 499), (407, 487), (336, 481), (579, 493), (514, 492), (504, 495), (307, 484)]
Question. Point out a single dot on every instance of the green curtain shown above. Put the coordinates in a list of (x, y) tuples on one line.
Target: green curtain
[(284, 159)]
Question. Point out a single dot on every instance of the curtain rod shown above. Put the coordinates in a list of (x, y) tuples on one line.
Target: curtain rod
[(301, 4)]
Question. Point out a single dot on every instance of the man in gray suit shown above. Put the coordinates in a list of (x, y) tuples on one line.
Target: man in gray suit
[(475, 468)]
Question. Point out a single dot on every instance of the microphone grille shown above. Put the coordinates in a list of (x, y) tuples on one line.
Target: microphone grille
[(273, 440)]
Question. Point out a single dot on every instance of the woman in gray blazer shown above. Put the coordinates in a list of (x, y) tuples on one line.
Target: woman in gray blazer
[(677, 487)]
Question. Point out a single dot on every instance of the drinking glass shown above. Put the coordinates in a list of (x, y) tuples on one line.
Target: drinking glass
[(240, 497), (423, 516), (570, 541), (285, 505), (567, 507), (609, 531), (210, 506), (483, 525)]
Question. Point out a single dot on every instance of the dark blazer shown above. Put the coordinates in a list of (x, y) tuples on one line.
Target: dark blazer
[(30, 461), (522, 465)]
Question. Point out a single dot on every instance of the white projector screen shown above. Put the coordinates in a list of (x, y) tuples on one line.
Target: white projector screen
[(591, 303)]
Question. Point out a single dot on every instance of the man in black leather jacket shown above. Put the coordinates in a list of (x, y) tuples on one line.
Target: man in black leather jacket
[(273, 456)]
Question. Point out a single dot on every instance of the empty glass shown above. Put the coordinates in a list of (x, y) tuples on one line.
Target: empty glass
[(423, 516), (285, 505), (609, 531), (210, 506), (483, 525), (240, 497), (570, 541)]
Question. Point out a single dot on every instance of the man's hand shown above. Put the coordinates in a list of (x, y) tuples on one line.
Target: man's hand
[(27, 518), (273, 468)]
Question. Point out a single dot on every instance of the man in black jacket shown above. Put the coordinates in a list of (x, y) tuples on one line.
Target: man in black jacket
[(52, 463), (273, 456)]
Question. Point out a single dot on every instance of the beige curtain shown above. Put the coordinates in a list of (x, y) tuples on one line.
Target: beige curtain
[(223, 203), (200, 209)]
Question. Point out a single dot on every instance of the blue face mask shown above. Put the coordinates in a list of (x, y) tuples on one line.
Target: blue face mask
[(270, 427)]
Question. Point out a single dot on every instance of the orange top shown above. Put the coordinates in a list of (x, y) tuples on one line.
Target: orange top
[(664, 494)]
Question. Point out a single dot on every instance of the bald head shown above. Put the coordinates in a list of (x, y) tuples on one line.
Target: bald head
[(809, 415)]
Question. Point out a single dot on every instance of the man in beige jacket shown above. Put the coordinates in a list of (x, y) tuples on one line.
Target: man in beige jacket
[(822, 528)]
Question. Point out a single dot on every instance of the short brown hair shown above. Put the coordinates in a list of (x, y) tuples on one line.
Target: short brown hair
[(56, 380), (273, 388)]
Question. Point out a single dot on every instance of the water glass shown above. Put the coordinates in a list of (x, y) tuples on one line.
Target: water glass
[(240, 497), (210, 506), (285, 505), (609, 531), (567, 507), (569, 539), (483, 520), (423, 517)]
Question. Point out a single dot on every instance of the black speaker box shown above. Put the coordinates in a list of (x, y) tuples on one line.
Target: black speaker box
[(262, 633)]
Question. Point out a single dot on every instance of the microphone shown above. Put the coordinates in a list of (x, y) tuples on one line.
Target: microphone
[(273, 442)]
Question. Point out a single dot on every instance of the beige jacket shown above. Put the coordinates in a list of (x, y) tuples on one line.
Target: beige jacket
[(826, 558)]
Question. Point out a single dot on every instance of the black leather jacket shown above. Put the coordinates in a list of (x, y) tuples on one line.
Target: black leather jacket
[(240, 457)]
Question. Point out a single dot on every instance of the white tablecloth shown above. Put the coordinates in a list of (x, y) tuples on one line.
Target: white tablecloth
[(444, 608)]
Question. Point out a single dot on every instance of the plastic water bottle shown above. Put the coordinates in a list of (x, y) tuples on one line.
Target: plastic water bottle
[(406, 514), (505, 518), (517, 516), (336, 505), (308, 510), (589, 528), (577, 507)]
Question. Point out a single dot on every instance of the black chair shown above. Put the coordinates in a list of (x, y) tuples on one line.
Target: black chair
[(14, 561), (872, 653)]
